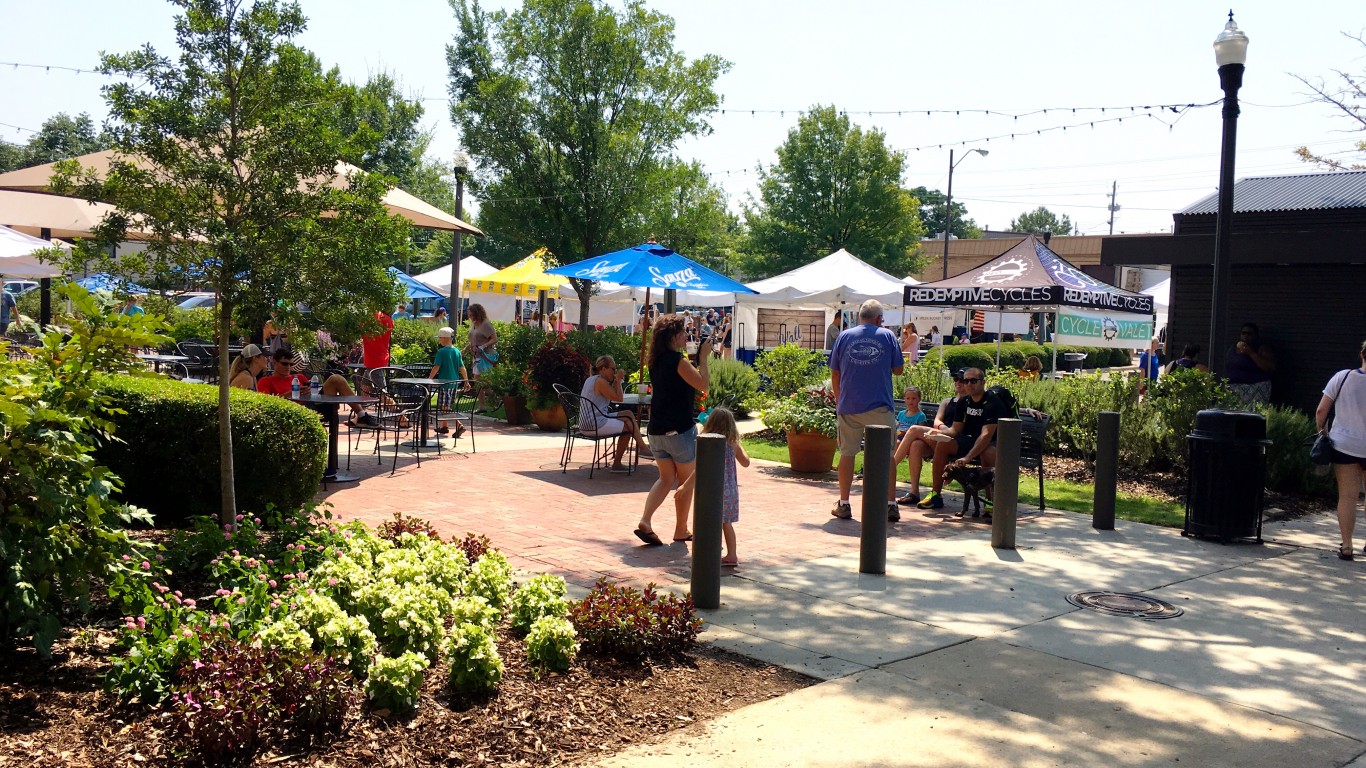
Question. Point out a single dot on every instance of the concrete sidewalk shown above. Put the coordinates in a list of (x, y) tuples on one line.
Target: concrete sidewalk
[(965, 655), (960, 654)]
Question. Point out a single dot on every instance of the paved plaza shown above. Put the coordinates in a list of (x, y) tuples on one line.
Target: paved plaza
[(960, 654)]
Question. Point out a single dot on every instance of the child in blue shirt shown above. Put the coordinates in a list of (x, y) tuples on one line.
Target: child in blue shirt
[(911, 416)]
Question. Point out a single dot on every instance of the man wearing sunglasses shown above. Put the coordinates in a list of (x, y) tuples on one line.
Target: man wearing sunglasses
[(973, 433)]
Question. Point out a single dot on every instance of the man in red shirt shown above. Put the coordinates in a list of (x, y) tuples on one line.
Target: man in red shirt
[(279, 381), (375, 349)]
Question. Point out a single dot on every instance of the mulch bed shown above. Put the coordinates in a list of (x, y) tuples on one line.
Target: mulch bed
[(56, 714)]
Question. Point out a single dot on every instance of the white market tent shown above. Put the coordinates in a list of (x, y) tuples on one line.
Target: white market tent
[(1161, 293), (17, 257), (835, 282), (439, 280)]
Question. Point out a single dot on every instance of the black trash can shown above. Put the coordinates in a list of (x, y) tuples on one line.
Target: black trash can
[(1224, 493), (1072, 361)]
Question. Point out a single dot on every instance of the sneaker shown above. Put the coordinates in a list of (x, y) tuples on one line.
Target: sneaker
[(933, 501), (908, 499), (842, 510), (893, 514)]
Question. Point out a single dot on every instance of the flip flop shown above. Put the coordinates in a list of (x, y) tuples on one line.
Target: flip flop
[(729, 563), (649, 537), (685, 538)]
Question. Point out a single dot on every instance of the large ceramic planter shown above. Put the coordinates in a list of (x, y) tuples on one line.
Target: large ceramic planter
[(514, 410), (810, 451), (549, 419)]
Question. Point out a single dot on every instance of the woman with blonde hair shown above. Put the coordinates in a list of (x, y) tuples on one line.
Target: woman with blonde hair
[(602, 389), (246, 367)]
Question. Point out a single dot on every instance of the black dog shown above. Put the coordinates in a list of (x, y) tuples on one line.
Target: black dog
[(976, 482)]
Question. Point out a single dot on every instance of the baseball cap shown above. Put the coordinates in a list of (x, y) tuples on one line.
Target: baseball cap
[(250, 351), (445, 332), (958, 374)]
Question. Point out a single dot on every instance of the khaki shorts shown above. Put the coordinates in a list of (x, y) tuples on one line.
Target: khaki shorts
[(851, 428)]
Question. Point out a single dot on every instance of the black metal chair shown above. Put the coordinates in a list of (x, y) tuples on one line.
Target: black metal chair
[(202, 362), (1033, 434), (460, 406), (574, 407), (398, 411)]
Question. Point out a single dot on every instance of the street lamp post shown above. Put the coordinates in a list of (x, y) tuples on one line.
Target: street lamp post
[(948, 203), (460, 165), (1230, 52)]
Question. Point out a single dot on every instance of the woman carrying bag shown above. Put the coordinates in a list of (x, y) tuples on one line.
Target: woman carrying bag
[(1341, 418)]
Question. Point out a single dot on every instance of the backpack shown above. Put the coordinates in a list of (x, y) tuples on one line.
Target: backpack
[(1012, 406)]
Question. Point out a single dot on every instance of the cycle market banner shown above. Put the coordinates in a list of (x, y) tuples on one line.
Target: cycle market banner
[(1089, 328)]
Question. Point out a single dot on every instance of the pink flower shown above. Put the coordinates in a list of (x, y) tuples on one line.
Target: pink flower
[(271, 583), (240, 518), (142, 623), (227, 537), (146, 566), (241, 601), (256, 520), (126, 558), (190, 603)]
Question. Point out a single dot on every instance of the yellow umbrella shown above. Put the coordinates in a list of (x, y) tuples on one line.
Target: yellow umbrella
[(524, 279)]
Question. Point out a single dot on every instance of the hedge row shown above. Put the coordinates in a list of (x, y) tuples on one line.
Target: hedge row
[(167, 448), (1015, 353)]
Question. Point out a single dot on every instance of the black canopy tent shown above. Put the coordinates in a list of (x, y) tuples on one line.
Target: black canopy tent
[(1027, 278)]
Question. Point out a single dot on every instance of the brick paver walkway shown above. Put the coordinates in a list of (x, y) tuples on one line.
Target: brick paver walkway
[(581, 529)]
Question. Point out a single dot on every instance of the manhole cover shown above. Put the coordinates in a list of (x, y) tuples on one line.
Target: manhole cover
[(1125, 604)]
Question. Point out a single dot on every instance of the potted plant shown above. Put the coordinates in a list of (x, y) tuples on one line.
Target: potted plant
[(505, 381), (555, 362), (808, 419)]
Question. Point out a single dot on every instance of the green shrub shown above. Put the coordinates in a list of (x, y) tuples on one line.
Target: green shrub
[(630, 624), (930, 375), (279, 448), (475, 666), (59, 511), (788, 368), (504, 380), (622, 346), (1121, 358), (517, 343), (811, 410), (551, 643), (415, 335), (491, 578), (476, 611), (411, 355), (540, 596), (969, 356), (395, 683), (1175, 399), (731, 383), (191, 324), (1288, 468)]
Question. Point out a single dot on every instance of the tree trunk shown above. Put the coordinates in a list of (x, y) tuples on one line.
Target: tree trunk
[(225, 473), (584, 289)]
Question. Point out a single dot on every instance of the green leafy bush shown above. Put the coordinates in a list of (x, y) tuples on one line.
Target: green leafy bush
[(540, 596), (551, 643), (810, 410), (279, 448), (59, 511), (622, 346), (731, 383), (788, 368), (415, 335), (504, 380), (517, 343), (1176, 398), (391, 530), (191, 324), (1288, 468), (395, 683), (630, 624), (476, 611), (491, 578), (475, 666), (405, 616), (930, 376), (410, 355), (555, 362)]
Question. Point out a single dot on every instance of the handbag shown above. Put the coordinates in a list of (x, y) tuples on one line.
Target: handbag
[(1321, 452)]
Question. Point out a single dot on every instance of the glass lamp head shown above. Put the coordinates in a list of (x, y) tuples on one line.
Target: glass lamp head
[(1230, 47)]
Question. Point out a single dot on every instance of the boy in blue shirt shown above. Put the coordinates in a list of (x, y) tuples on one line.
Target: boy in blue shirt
[(911, 415)]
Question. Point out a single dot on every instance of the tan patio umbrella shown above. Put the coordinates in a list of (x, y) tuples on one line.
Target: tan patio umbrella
[(399, 203), (34, 213)]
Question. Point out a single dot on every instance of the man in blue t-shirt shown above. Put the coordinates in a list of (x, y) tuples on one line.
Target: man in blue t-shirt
[(862, 364), (9, 311)]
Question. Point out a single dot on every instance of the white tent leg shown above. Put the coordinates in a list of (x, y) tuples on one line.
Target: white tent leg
[(1000, 320), (1055, 343)]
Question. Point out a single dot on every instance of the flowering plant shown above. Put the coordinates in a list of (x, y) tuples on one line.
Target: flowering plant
[(555, 362), (808, 410)]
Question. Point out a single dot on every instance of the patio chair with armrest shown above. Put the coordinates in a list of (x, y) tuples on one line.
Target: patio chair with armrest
[(575, 406), (462, 408), (397, 412)]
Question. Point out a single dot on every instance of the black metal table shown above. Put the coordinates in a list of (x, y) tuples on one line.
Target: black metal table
[(329, 405), (427, 385)]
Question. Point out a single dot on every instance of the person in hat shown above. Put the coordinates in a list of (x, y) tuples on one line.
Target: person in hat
[(450, 365), (247, 367)]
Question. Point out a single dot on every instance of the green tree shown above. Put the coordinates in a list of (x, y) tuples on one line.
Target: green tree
[(382, 129), (932, 214), (226, 155), (572, 108), (61, 136), (834, 186), (1345, 98), (690, 215), (1042, 220)]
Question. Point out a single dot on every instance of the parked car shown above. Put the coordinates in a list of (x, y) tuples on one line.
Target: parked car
[(203, 301), (19, 287)]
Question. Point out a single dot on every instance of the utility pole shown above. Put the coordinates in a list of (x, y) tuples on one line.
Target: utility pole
[(1114, 187)]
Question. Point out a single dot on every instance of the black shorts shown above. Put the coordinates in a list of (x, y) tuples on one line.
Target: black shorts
[(1346, 458), (964, 444)]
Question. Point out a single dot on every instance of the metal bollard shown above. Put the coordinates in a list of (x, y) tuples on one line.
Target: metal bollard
[(877, 467), (706, 521), (1005, 495), (1107, 467)]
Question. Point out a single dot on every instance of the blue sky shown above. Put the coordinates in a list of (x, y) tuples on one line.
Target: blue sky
[(863, 56)]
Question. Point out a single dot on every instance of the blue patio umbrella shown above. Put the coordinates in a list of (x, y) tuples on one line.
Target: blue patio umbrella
[(416, 288), (651, 266), (103, 281)]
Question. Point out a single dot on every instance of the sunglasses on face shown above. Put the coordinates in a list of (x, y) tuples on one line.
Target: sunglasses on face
[(971, 381)]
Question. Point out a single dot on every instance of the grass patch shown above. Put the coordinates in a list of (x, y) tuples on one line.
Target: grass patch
[(1061, 494)]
